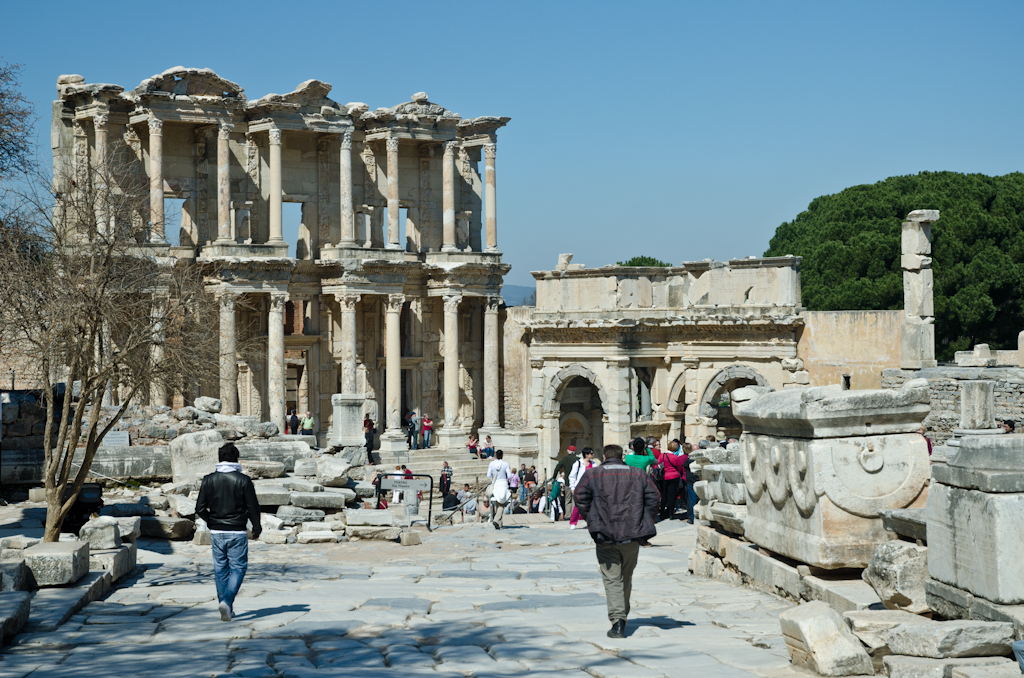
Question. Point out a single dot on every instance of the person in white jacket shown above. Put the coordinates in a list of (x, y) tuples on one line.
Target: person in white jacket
[(585, 462), (500, 471)]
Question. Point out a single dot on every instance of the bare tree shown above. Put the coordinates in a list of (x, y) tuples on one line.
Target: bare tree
[(16, 121), (90, 304)]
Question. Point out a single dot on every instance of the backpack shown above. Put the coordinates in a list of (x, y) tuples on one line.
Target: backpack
[(658, 472)]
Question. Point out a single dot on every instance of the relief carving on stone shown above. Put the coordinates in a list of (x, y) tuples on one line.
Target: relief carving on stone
[(156, 126), (202, 190), (323, 214), (252, 191), (275, 135)]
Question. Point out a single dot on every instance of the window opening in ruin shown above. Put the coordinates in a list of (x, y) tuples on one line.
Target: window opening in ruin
[(728, 425), (291, 217), (176, 220), (292, 390), (581, 416)]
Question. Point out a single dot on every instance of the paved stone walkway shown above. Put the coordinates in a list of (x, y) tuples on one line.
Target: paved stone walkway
[(469, 601)]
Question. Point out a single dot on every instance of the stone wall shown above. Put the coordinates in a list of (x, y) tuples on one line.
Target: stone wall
[(944, 389), (516, 362), (859, 343)]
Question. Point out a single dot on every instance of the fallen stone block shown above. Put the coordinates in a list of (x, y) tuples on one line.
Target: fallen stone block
[(262, 469), (897, 666), (364, 490), (15, 607), (161, 527), (324, 500), (370, 532), (948, 601), (371, 517), (156, 501), (37, 494), (129, 528), (305, 467), (272, 495), (317, 538), (202, 538), (872, 627), (101, 533), (704, 564), (326, 526), (118, 562), (349, 494), (732, 517), (897, 572), (332, 472), (277, 537), (818, 639), (52, 607), (293, 515), (907, 523), (296, 485), (182, 505), (206, 404), (410, 539), (14, 575), (767, 573), (177, 488), (269, 521), (125, 510), (19, 541), (957, 638), (57, 563), (842, 595), (1005, 670)]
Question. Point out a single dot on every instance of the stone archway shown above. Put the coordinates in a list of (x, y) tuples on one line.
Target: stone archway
[(562, 379), (574, 429), (726, 381)]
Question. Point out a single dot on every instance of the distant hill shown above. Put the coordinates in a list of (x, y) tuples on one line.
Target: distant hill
[(850, 244), (517, 295)]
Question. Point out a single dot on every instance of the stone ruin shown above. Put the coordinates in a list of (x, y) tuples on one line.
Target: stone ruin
[(820, 463)]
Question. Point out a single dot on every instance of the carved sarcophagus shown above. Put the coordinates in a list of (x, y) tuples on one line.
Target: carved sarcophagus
[(819, 463)]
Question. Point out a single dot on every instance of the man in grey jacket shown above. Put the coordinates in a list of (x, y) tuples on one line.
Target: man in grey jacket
[(620, 504)]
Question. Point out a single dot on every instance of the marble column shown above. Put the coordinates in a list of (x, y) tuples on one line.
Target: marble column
[(224, 225), (451, 360), (448, 191), (348, 341), (393, 362), (275, 194), (491, 385), (228, 359), (490, 207), (348, 234), (393, 208), (156, 180), (99, 125), (275, 357)]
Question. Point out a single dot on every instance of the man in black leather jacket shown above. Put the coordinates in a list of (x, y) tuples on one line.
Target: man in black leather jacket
[(227, 500), (619, 503)]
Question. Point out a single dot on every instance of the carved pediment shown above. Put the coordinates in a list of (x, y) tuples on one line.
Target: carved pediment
[(309, 93), (192, 82)]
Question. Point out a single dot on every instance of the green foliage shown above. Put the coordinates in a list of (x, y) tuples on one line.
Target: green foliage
[(644, 261), (850, 244)]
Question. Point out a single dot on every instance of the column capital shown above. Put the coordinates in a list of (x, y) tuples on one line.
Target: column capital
[(451, 302), (225, 297), (346, 140), (224, 129), (490, 150), (493, 304), (99, 121), (278, 300), (449, 147), (392, 144), (156, 126), (275, 135), (395, 302), (348, 301)]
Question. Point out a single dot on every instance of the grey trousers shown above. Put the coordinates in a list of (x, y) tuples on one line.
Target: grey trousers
[(617, 563), (497, 512)]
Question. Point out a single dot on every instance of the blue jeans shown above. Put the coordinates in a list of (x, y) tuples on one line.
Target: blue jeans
[(426, 439), (691, 501), (1018, 653), (522, 492), (230, 561)]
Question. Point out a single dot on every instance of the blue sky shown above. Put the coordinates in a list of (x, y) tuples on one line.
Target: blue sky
[(678, 130)]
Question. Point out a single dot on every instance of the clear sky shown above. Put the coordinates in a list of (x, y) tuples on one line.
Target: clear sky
[(681, 130)]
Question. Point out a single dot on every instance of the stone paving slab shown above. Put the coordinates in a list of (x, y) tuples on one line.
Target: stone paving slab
[(468, 601)]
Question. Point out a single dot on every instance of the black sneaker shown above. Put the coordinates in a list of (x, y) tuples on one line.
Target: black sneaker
[(618, 629)]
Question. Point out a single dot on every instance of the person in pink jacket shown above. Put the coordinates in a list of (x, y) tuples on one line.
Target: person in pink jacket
[(675, 473)]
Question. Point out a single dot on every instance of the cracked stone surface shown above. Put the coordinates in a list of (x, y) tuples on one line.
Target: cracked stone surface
[(469, 601)]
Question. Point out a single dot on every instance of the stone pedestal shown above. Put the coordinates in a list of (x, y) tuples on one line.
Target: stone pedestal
[(977, 404), (974, 515), (820, 463), (348, 419), (393, 441), (452, 439)]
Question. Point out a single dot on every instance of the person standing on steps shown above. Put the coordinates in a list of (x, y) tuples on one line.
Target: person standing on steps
[(293, 424), (619, 503), (428, 430), (307, 423), (368, 433), (227, 500), (445, 481)]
